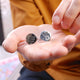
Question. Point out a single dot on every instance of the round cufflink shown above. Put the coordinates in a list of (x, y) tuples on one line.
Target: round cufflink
[(45, 36), (31, 38)]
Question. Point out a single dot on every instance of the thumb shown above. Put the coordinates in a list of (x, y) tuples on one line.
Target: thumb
[(10, 43), (69, 42)]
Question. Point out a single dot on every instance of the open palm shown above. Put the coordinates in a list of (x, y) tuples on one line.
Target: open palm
[(59, 44)]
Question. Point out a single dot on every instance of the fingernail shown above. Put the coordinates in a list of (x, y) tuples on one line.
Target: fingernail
[(56, 19)]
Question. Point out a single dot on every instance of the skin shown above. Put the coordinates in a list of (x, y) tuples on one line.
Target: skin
[(59, 45), (67, 16)]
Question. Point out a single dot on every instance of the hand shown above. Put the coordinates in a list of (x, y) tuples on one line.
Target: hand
[(67, 16), (59, 45)]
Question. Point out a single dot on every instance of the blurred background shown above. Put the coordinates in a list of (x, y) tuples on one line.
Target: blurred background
[(8, 62), (5, 14)]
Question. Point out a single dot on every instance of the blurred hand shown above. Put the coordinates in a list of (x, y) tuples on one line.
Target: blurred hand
[(59, 45), (67, 16)]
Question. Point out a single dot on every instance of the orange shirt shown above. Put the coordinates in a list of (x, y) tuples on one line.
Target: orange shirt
[(36, 12)]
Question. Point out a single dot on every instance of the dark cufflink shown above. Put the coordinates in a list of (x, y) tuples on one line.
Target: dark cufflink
[(45, 36), (31, 38)]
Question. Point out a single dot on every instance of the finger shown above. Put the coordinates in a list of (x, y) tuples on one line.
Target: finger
[(33, 52), (77, 37), (59, 13), (23, 31), (16, 36), (69, 42), (10, 43), (75, 26), (55, 50), (42, 51), (71, 13), (59, 51)]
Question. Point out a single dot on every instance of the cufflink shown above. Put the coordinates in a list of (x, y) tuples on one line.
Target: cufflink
[(45, 36), (31, 38)]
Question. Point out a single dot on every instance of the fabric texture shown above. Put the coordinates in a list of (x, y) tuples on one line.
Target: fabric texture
[(31, 75), (36, 12)]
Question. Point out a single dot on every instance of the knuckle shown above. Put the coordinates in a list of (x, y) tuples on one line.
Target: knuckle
[(76, 3), (68, 15)]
